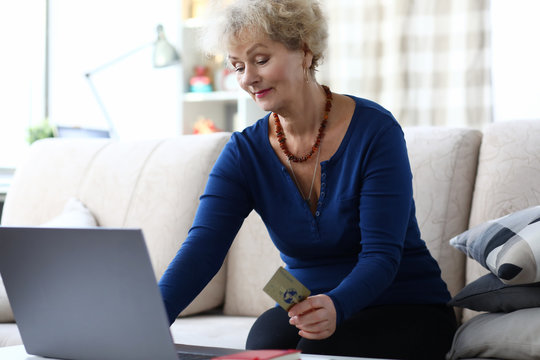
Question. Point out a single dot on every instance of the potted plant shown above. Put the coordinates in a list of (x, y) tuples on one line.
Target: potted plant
[(40, 131)]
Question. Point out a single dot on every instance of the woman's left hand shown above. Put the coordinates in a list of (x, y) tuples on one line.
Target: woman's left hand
[(315, 317)]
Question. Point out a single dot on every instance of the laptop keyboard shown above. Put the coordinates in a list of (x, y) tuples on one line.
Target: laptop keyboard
[(191, 356)]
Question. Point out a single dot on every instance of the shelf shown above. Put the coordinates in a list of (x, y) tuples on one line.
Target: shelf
[(229, 110)]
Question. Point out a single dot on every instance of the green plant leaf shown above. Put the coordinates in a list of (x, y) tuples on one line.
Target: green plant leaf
[(40, 131)]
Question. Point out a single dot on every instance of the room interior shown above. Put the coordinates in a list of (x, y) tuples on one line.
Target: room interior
[(466, 71)]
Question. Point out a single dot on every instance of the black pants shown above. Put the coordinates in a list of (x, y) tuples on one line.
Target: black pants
[(389, 331)]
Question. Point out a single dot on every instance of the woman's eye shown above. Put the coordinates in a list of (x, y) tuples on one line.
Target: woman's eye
[(238, 68), (262, 61)]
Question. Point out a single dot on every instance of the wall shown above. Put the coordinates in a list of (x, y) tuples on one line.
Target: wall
[(516, 55)]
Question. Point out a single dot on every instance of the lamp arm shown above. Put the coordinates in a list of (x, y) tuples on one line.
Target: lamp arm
[(88, 75), (118, 59), (112, 128)]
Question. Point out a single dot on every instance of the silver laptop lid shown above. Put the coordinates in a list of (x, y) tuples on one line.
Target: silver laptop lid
[(84, 293)]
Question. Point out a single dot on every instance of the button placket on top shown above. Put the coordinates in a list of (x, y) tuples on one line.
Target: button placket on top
[(322, 193)]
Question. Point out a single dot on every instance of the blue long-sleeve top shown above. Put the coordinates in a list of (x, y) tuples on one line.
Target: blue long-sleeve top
[(362, 247)]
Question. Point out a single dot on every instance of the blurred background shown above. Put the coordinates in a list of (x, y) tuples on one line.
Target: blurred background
[(82, 66)]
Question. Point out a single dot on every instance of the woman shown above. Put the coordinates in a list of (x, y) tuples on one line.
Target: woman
[(330, 177)]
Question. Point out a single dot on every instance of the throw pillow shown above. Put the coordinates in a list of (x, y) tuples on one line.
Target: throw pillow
[(489, 293), (74, 214), (508, 246), (514, 335)]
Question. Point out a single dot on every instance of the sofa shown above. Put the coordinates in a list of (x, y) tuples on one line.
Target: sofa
[(461, 178)]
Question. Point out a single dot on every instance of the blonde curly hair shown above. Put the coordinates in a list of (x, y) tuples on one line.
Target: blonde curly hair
[(297, 24)]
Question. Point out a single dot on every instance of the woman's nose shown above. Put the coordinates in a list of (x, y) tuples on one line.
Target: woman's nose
[(251, 75)]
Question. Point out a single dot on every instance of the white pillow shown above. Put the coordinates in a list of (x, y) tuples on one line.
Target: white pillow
[(75, 214)]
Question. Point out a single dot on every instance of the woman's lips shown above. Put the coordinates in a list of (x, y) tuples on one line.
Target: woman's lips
[(261, 93)]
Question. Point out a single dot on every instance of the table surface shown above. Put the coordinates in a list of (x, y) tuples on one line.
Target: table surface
[(18, 353)]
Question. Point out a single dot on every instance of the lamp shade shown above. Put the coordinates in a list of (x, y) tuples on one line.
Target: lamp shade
[(164, 53)]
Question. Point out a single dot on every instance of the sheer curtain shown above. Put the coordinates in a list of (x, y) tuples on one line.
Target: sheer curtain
[(429, 62)]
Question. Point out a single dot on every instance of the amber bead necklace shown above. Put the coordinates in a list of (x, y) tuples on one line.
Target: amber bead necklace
[(315, 148), (283, 140)]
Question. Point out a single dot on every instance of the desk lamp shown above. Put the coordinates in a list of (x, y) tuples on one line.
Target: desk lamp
[(164, 55)]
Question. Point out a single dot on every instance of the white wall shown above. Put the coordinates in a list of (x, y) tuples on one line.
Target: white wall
[(141, 101), (516, 59)]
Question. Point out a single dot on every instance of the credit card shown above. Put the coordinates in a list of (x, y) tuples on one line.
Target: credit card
[(285, 289)]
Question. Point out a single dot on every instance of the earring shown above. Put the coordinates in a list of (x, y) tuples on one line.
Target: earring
[(306, 74)]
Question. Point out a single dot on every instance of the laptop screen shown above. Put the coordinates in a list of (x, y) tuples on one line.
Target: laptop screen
[(84, 293)]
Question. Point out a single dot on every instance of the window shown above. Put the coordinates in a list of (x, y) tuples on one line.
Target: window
[(141, 101), (22, 85)]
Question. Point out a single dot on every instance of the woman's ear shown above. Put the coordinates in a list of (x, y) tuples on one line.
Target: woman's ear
[(308, 57)]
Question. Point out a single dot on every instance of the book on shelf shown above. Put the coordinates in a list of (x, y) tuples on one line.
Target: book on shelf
[(262, 355)]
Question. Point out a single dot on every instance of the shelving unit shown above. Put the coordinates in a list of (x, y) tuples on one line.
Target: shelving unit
[(229, 110)]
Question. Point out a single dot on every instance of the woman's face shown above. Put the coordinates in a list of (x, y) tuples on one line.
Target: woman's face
[(272, 74)]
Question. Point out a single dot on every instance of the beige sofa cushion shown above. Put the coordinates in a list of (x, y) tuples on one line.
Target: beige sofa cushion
[(213, 330), (51, 175), (443, 162), (508, 177), (153, 185), (252, 261)]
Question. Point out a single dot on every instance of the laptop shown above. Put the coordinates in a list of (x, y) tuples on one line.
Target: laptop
[(88, 294), (81, 132)]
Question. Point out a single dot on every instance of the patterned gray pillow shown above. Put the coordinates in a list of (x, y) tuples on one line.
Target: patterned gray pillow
[(508, 246)]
